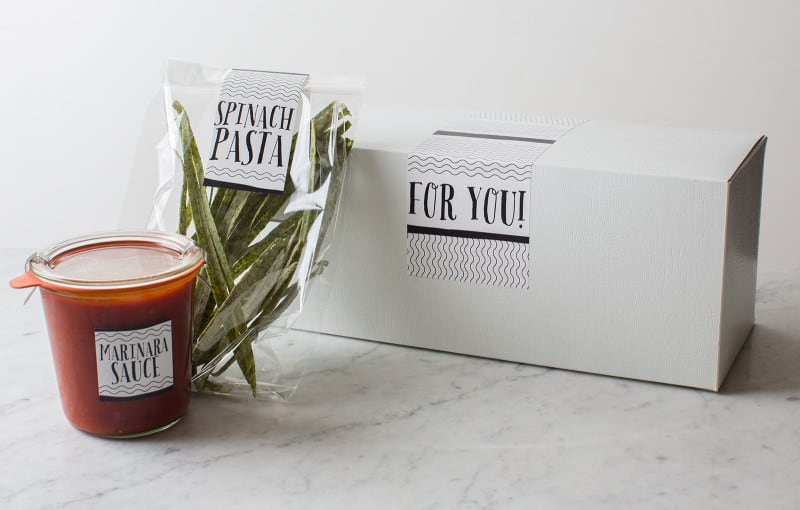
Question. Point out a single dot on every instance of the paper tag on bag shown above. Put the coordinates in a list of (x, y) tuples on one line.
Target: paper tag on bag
[(469, 189), (256, 115)]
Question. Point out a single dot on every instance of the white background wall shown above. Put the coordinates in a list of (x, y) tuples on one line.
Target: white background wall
[(78, 78)]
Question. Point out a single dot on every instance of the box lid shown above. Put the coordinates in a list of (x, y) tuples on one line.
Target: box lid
[(632, 149), (649, 150)]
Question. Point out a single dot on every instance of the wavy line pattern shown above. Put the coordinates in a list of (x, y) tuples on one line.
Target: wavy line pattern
[(482, 261), (280, 85), (134, 335), (138, 385), (127, 336), (260, 92), (481, 150), (237, 95), (258, 78), (117, 341), (455, 171), (263, 85), (260, 87), (476, 164), (278, 177), (487, 170), (135, 390)]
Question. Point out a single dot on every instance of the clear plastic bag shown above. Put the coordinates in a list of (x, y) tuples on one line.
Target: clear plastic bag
[(262, 249)]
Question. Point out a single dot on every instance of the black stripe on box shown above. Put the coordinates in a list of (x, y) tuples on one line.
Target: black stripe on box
[(495, 137), (415, 229)]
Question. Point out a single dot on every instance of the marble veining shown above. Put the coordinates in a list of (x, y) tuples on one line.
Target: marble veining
[(380, 426)]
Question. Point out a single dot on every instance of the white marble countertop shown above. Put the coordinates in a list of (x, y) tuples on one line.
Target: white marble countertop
[(379, 426)]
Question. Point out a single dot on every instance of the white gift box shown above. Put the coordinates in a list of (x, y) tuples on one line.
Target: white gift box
[(641, 250)]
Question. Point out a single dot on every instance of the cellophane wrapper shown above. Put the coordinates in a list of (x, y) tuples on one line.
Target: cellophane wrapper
[(263, 250)]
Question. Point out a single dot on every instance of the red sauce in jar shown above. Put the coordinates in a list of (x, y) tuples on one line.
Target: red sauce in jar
[(118, 310)]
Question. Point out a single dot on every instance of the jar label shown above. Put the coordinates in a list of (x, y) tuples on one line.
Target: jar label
[(134, 363)]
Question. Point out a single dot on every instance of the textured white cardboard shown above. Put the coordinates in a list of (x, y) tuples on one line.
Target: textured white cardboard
[(643, 257)]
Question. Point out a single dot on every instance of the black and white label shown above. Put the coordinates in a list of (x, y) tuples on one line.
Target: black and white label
[(255, 117), (134, 363), (469, 189)]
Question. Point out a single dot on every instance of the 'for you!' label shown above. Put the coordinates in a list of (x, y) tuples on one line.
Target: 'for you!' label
[(255, 117), (134, 363), (469, 189)]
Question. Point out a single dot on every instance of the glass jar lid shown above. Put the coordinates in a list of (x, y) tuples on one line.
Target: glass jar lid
[(115, 260)]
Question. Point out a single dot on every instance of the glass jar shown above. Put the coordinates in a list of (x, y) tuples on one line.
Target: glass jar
[(118, 308)]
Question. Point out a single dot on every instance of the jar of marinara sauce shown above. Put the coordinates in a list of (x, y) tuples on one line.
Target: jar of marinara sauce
[(118, 308)]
